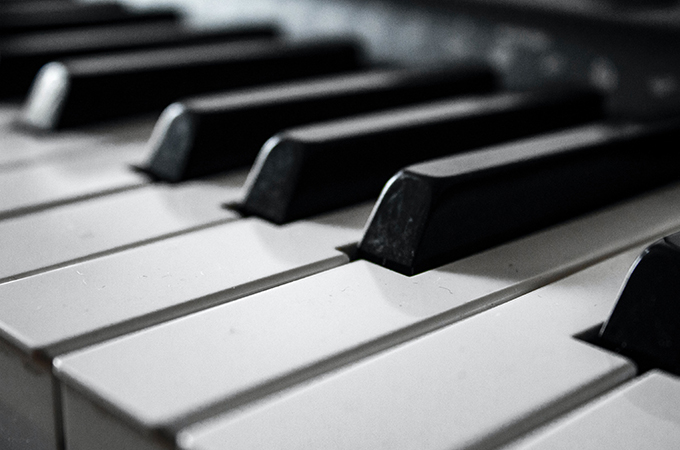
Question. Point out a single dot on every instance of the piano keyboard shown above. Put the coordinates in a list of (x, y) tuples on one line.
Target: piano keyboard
[(142, 310)]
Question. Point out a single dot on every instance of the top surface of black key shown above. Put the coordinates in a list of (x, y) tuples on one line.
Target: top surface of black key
[(203, 136), (436, 212), (645, 323), (30, 18), (88, 89), (22, 56), (312, 169)]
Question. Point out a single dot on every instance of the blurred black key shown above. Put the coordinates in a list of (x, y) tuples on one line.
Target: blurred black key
[(645, 323), (82, 90), (22, 56), (433, 213), (207, 135), (43, 16), (317, 168)]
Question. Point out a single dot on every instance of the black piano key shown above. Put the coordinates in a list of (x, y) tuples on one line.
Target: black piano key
[(204, 136), (21, 57), (436, 212), (87, 89), (313, 169), (43, 16), (645, 323)]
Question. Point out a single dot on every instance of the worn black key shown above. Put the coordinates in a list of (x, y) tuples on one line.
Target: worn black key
[(435, 212), (645, 323), (43, 16), (207, 135), (313, 169), (22, 56), (82, 90)]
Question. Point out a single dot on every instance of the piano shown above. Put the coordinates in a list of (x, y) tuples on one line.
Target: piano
[(149, 300)]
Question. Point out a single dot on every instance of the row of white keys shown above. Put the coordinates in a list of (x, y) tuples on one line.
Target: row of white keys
[(55, 237), (235, 353), (64, 309), (642, 413), (473, 384)]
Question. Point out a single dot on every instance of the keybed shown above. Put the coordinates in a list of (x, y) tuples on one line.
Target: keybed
[(146, 311)]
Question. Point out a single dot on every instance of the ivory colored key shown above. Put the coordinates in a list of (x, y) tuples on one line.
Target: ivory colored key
[(473, 384), (82, 230), (44, 315), (22, 56), (273, 340), (19, 146), (641, 414), (75, 176), (87, 89)]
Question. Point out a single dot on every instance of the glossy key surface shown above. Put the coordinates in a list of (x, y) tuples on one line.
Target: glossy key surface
[(435, 212), (209, 134), (88, 89), (310, 169)]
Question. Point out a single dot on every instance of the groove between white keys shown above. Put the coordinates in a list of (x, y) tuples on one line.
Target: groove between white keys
[(58, 236)]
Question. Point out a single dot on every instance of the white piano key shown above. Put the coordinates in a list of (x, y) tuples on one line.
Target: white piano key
[(238, 352), (63, 180), (66, 234), (641, 414), (20, 146), (475, 384), (52, 312)]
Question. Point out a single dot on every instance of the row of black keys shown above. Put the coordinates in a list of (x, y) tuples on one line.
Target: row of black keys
[(428, 214)]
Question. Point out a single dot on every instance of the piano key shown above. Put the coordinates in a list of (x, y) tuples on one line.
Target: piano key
[(640, 414), (57, 237), (272, 340), (644, 323), (473, 384), (87, 89), (98, 299), (203, 136), (22, 56), (312, 169), (19, 147), (437, 211), (34, 17), (72, 177)]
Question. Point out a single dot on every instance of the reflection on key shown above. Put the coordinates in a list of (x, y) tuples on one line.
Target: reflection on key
[(312, 169), (22, 56), (83, 90), (441, 210)]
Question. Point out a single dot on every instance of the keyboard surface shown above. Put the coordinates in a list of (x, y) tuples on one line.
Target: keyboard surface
[(144, 314)]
